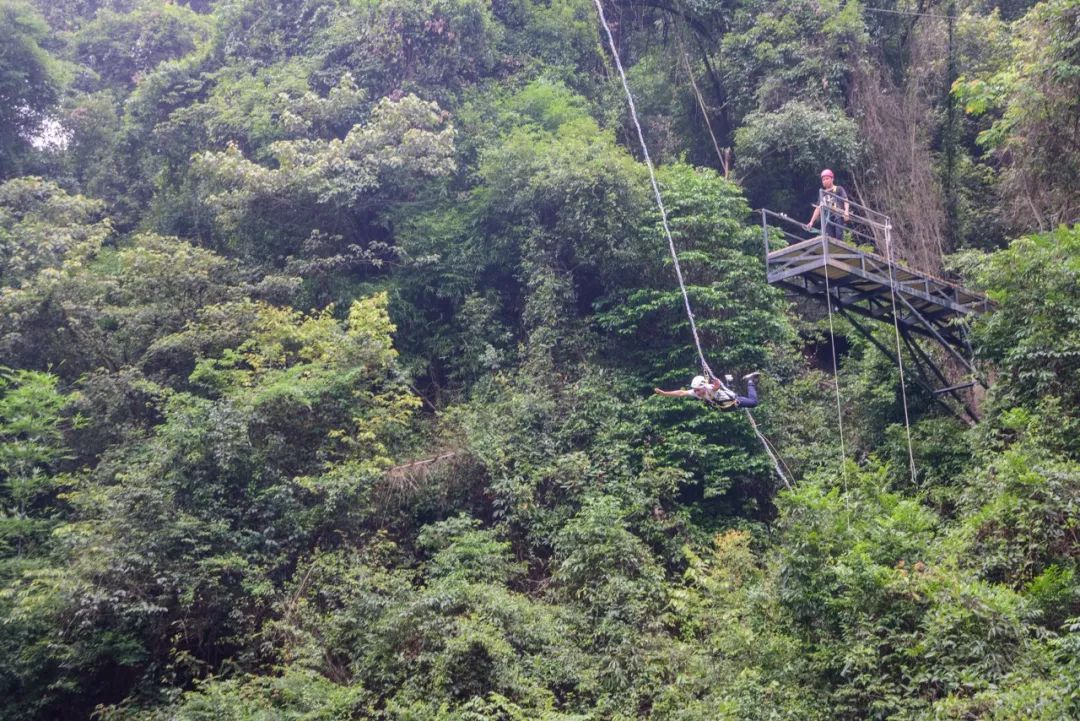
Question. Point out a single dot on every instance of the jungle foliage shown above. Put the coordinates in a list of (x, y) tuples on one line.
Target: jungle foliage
[(329, 329)]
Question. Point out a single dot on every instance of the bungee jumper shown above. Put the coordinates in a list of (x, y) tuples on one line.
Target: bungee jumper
[(715, 392), (751, 397)]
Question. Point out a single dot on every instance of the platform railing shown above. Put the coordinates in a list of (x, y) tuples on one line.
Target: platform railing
[(781, 229), (863, 224), (784, 226)]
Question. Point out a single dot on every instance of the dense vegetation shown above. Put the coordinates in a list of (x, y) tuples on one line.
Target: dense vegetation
[(328, 330)]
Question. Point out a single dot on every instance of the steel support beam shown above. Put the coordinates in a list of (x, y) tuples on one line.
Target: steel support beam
[(892, 357), (955, 353), (920, 355)]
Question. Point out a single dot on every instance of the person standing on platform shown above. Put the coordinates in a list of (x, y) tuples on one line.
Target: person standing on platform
[(833, 197)]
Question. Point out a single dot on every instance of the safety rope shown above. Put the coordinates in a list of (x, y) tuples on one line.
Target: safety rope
[(656, 191), (899, 355), (832, 339), (769, 450)]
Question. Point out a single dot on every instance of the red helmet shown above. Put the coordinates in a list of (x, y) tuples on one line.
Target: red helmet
[(827, 172)]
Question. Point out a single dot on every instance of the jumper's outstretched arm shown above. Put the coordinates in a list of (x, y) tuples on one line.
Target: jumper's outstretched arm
[(673, 394)]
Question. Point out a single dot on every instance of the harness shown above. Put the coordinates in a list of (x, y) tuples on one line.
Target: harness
[(723, 398)]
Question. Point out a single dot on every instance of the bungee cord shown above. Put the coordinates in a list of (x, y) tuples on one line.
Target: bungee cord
[(886, 226), (656, 191)]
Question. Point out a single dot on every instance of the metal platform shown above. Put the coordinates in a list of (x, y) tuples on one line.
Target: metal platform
[(862, 283)]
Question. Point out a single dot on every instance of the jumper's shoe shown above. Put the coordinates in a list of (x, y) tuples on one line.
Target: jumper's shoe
[(751, 376)]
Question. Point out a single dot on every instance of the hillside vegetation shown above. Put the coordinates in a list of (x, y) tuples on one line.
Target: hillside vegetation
[(329, 331)]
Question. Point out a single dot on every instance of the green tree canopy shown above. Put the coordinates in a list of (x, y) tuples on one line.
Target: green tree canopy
[(30, 81)]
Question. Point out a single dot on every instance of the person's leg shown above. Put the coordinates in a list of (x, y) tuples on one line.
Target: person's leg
[(835, 229), (750, 399)]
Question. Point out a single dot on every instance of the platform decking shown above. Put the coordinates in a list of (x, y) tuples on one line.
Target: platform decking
[(864, 283)]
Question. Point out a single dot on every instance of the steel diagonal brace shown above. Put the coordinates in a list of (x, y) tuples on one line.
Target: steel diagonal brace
[(922, 357), (892, 357), (933, 331)]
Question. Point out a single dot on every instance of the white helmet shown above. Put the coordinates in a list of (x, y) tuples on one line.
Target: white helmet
[(699, 382)]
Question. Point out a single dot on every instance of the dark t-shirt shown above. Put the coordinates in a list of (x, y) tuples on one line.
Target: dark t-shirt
[(834, 203)]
